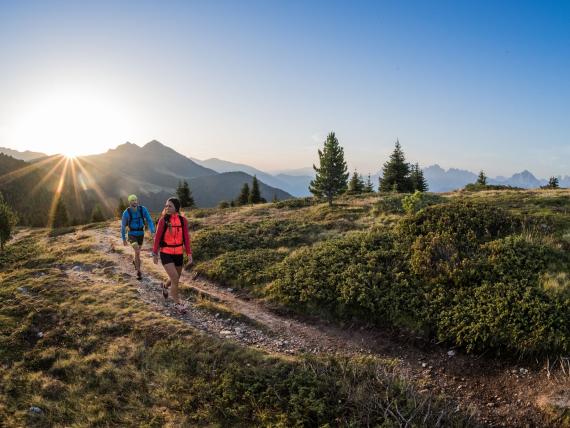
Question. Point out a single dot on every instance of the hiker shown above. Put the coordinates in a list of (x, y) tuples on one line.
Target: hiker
[(134, 218), (172, 238)]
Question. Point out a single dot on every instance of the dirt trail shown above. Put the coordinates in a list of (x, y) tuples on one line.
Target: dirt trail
[(498, 393)]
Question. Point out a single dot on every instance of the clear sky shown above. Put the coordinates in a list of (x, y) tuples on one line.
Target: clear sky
[(466, 84)]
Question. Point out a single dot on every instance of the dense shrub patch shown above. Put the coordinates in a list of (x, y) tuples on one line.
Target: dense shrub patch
[(242, 268), (459, 271), (241, 236)]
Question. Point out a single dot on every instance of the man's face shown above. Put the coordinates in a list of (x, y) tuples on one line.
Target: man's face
[(134, 203)]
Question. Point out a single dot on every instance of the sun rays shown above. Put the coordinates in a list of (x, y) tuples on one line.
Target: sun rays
[(67, 177)]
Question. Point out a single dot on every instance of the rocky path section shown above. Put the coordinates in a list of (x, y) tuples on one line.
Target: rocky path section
[(498, 393)]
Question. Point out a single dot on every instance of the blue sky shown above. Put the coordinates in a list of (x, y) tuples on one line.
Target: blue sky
[(475, 85)]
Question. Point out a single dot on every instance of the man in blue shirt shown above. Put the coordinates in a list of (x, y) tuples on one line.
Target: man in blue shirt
[(134, 218)]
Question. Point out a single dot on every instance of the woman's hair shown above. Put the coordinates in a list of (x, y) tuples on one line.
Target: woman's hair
[(166, 216)]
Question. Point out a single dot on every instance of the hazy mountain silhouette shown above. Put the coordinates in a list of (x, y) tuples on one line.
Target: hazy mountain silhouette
[(296, 185), (25, 156)]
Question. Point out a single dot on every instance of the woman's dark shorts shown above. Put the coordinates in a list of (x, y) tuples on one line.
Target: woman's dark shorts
[(138, 239), (177, 259)]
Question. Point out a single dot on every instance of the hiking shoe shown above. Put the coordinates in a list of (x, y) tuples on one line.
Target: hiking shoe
[(164, 290), (139, 275)]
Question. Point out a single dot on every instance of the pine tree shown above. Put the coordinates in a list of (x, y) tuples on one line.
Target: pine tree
[(482, 179), (97, 214), (275, 199), (243, 197), (368, 187), (553, 183), (8, 219), (184, 194), (396, 173), (418, 181), (60, 216), (255, 195), (331, 175), (121, 207), (356, 184)]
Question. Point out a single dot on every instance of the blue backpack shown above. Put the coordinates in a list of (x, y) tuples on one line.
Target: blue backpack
[(141, 221)]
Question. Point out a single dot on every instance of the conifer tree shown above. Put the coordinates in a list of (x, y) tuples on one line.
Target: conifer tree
[(368, 186), (60, 216), (418, 181), (396, 173), (243, 197), (97, 214), (184, 194), (482, 179), (275, 198), (356, 184), (255, 194), (331, 175), (553, 183), (8, 219)]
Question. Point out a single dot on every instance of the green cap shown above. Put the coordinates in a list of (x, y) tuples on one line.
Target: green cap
[(132, 198)]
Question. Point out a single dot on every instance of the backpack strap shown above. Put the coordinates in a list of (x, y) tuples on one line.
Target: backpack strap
[(183, 223)]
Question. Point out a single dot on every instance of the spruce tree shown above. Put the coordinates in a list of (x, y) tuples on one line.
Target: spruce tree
[(8, 219), (255, 194), (356, 184), (418, 181), (553, 183), (482, 179), (184, 194), (243, 197), (396, 173), (368, 187), (331, 175), (97, 214), (60, 216)]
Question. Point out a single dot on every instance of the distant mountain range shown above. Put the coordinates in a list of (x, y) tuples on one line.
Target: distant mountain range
[(295, 182), (25, 156), (440, 180)]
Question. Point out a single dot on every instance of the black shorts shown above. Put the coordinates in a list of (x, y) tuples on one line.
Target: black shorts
[(137, 239), (177, 259)]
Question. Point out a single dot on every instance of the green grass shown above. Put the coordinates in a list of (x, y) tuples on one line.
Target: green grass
[(93, 354)]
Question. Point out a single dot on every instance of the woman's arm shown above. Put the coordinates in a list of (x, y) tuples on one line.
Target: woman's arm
[(158, 236)]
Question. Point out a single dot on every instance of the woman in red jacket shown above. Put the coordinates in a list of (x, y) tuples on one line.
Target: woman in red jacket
[(172, 238)]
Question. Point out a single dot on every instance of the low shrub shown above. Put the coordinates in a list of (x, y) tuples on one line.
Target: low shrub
[(389, 204), (419, 200)]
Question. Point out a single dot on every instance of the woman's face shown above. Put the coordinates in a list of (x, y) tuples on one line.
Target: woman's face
[(169, 206)]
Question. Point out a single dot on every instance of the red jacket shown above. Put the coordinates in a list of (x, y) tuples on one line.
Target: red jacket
[(175, 237)]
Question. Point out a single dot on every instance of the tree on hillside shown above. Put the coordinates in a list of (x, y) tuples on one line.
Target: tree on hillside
[(243, 197), (419, 183), (331, 175), (97, 214), (60, 216), (368, 186), (481, 179), (356, 184), (255, 195), (552, 183), (396, 173), (121, 207), (8, 219), (184, 194)]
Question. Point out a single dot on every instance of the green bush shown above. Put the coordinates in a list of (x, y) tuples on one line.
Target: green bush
[(295, 203), (419, 200), (389, 204), (209, 243), (242, 268)]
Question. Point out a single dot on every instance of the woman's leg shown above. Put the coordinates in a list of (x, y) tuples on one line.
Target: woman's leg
[(173, 274)]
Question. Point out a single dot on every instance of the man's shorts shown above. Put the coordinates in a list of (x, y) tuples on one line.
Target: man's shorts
[(138, 239), (177, 259)]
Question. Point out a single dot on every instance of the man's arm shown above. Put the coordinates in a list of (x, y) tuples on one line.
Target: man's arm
[(124, 225)]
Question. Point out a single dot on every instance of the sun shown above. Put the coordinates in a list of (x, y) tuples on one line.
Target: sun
[(72, 121)]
